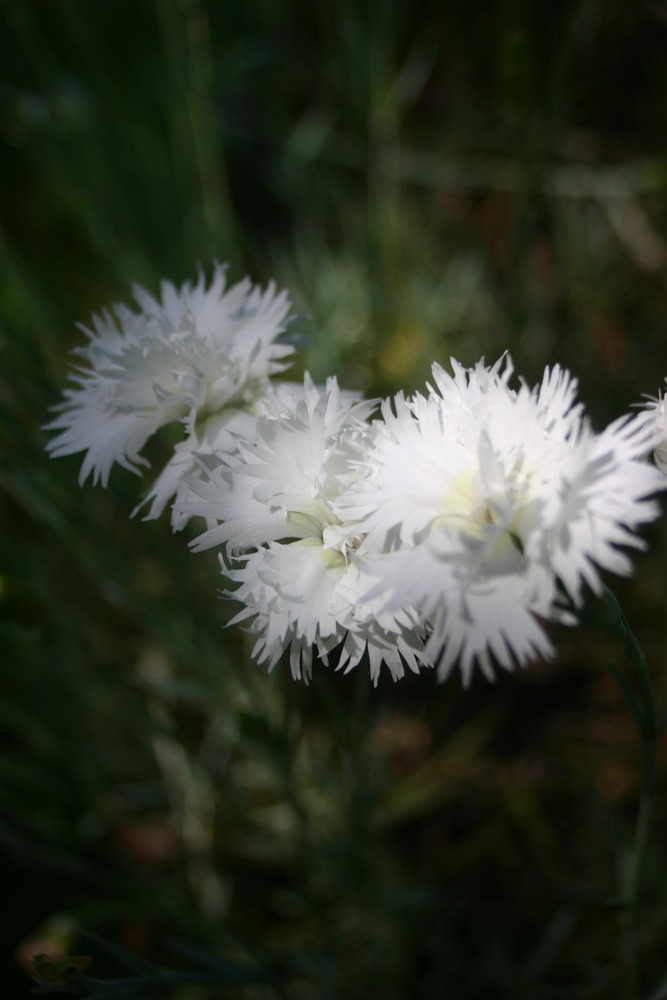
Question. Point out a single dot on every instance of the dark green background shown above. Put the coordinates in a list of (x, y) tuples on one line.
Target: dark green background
[(427, 179)]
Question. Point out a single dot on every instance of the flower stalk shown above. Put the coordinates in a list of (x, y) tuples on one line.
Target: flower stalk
[(607, 612)]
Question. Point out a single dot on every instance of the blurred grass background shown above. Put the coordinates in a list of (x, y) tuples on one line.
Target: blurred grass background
[(428, 180)]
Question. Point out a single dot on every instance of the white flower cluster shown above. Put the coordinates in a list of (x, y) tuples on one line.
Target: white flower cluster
[(446, 530)]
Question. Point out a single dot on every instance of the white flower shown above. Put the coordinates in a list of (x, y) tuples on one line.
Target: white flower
[(297, 595), (273, 505), (483, 501), (656, 415), (197, 355)]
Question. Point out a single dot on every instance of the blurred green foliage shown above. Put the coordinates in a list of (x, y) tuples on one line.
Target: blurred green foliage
[(426, 179)]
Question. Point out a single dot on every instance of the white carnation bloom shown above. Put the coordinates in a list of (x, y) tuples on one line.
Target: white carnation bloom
[(484, 500), (298, 597), (656, 416), (274, 505), (197, 355)]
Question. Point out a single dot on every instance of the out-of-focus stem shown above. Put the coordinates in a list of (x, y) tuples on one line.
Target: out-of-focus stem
[(606, 612), (649, 735), (632, 872)]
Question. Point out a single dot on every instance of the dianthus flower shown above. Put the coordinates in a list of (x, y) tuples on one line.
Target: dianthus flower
[(485, 508), (656, 415), (273, 505), (198, 355)]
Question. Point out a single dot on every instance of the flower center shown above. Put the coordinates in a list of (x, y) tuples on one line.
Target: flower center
[(486, 512)]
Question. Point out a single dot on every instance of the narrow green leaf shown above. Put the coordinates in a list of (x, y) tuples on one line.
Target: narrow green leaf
[(629, 697), (225, 970), (122, 955), (660, 992)]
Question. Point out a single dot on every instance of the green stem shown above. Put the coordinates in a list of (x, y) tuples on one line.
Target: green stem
[(606, 612), (635, 655), (649, 735), (632, 873)]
